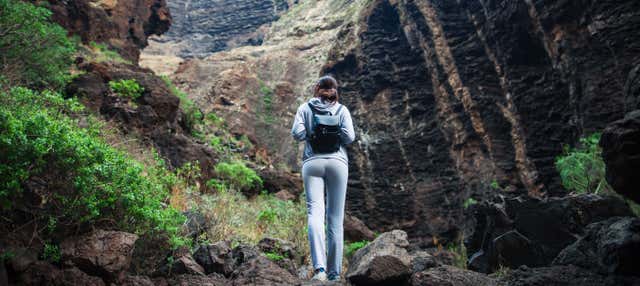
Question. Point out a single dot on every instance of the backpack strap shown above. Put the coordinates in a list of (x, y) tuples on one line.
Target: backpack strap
[(338, 111)]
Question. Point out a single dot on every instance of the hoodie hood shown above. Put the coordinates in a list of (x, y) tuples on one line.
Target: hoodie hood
[(324, 106)]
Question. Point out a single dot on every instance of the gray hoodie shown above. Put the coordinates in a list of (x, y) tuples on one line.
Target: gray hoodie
[(304, 118)]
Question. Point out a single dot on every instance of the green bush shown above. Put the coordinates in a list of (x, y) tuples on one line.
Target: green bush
[(34, 51), (90, 181), (51, 253), (238, 176), (351, 248), (582, 169), (273, 256), (127, 87)]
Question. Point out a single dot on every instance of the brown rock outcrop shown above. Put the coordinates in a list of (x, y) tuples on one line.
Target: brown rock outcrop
[(124, 25)]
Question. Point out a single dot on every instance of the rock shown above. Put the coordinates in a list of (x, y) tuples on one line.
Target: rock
[(215, 258), (620, 143), (4, 277), (563, 275), (150, 253), (632, 90), (100, 253), (254, 269), (514, 249), (275, 180), (451, 276), (529, 231), (209, 280), (356, 230), (422, 260), (384, 261), (609, 247), (186, 265), (124, 25), (44, 273), (200, 28), (195, 225), (131, 280), (290, 257), (22, 259), (285, 196)]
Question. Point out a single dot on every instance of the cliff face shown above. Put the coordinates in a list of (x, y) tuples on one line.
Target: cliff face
[(451, 97), (124, 25), (204, 27)]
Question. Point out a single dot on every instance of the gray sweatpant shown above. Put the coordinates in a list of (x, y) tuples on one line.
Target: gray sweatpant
[(317, 174)]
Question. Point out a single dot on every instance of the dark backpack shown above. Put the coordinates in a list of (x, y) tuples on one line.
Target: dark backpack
[(326, 131)]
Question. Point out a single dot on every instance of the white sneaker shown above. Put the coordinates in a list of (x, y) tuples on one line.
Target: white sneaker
[(320, 276)]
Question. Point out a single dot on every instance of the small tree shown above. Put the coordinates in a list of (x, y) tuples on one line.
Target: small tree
[(582, 169)]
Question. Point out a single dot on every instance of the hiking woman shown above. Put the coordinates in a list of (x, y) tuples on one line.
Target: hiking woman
[(326, 127)]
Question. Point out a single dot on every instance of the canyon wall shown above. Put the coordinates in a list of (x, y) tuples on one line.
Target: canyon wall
[(467, 98)]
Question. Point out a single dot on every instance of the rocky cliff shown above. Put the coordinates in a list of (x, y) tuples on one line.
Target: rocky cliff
[(123, 25), (451, 99), (203, 27)]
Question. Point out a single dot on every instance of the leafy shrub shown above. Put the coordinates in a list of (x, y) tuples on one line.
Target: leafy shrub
[(273, 256), (127, 87), (352, 247), (34, 51), (582, 169), (238, 176), (51, 253), (40, 139)]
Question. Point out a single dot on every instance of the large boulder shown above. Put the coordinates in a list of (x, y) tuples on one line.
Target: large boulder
[(215, 258), (100, 253), (620, 144), (451, 276), (384, 261), (44, 273), (562, 275), (255, 269), (287, 254), (356, 230), (209, 280), (529, 231), (609, 247)]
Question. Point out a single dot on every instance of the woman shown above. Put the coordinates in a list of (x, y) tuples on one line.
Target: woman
[(324, 170)]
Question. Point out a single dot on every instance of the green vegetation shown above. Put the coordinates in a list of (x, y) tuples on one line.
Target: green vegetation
[(102, 53), (51, 253), (581, 168), (459, 254), (267, 98), (127, 88), (40, 138), (273, 256), (238, 176), (469, 202), (34, 52), (351, 248), (193, 115), (248, 220)]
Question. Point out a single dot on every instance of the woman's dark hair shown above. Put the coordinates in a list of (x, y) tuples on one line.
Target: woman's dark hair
[(326, 82)]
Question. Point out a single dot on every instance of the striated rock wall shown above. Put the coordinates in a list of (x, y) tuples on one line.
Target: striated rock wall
[(463, 98), (202, 27), (124, 25)]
